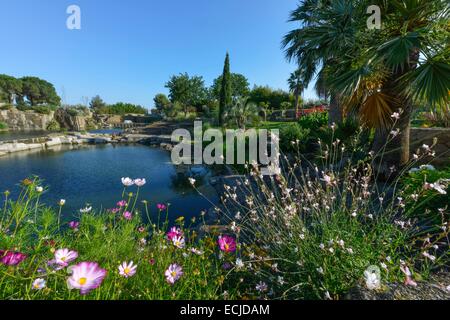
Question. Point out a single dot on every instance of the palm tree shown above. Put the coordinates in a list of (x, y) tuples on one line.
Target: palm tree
[(377, 72), (296, 86), (319, 43), (242, 112)]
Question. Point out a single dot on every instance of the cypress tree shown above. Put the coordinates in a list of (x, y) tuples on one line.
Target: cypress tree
[(225, 90)]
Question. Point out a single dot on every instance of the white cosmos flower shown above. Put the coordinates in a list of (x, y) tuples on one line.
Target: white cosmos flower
[(140, 182), (178, 242), (62, 202), (39, 189), (86, 210), (127, 270), (395, 116), (39, 284), (192, 181), (127, 182)]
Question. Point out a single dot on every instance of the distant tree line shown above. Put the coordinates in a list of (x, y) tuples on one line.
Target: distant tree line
[(31, 91), (98, 106), (189, 95)]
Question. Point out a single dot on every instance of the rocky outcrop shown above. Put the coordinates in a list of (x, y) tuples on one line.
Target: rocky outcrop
[(25, 120), (74, 122)]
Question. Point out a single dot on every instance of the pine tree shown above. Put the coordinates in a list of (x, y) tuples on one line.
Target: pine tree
[(225, 91)]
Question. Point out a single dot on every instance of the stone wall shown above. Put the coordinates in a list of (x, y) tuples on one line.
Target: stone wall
[(25, 120), (420, 136)]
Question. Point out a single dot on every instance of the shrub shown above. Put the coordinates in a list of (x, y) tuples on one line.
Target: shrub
[(427, 202), (3, 126), (6, 106), (291, 134), (313, 234), (314, 121), (53, 125)]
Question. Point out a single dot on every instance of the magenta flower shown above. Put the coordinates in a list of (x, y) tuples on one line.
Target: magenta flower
[(161, 207), (174, 232), (74, 225), (173, 273), (10, 258), (227, 244), (86, 276), (127, 215), (114, 210), (64, 256), (122, 204)]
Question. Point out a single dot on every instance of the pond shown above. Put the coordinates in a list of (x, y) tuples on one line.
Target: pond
[(92, 175)]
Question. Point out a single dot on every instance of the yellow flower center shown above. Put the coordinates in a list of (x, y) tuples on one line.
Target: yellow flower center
[(63, 259), (173, 274), (127, 270), (82, 281), (227, 246)]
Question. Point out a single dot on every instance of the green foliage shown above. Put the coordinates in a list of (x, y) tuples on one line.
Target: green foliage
[(293, 138), (187, 91), (122, 108), (3, 126), (39, 91), (241, 113), (428, 201), (97, 103), (53, 125), (240, 86), (314, 121), (9, 87), (226, 88), (274, 98)]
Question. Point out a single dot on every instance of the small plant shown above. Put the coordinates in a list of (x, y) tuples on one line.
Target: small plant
[(53, 125), (313, 231), (3, 126)]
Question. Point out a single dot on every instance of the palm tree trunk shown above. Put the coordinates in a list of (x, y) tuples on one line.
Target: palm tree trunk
[(335, 112), (395, 151), (297, 94)]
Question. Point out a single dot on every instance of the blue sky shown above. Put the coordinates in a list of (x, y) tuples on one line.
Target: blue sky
[(127, 50)]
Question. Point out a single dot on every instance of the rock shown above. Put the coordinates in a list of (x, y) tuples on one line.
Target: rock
[(434, 289), (25, 120)]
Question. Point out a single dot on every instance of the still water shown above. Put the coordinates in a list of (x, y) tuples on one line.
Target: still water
[(92, 175)]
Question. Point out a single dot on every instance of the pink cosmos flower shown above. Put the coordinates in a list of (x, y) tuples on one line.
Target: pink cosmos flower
[(174, 232), (127, 269), (173, 273), (74, 225), (86, 276), (127, 215), (227, 244), (140, 182), (64, 256), (10, 258), (161, 206), (114, 210), (122, 204)]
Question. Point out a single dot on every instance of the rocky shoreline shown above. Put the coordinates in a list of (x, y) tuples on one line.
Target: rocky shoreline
[(77, 138)]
